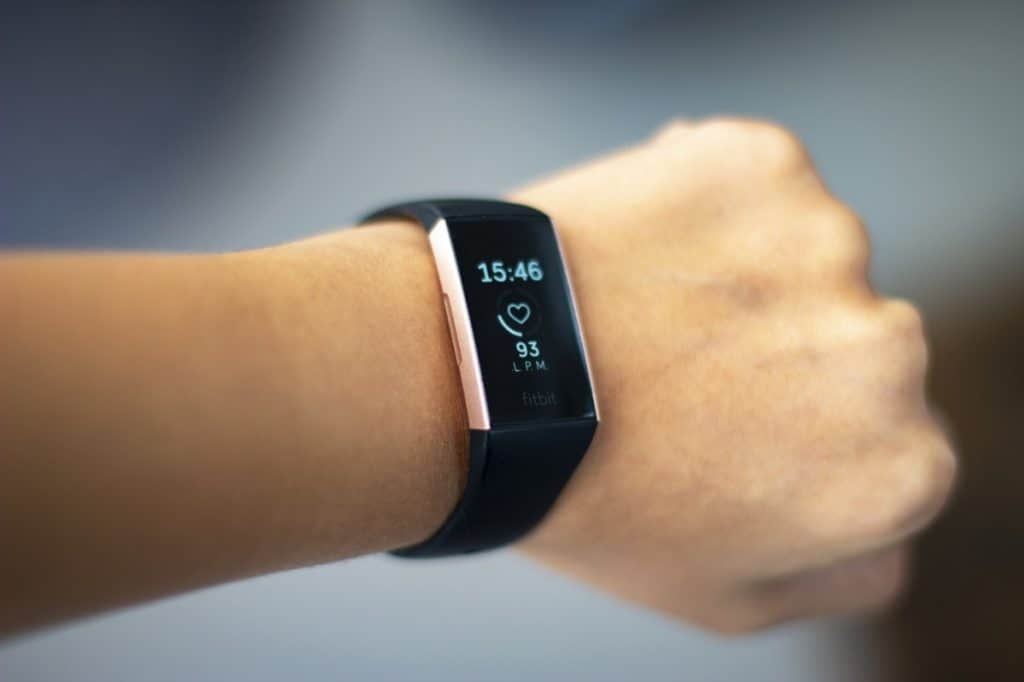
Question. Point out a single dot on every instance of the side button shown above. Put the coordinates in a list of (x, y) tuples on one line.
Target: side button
[(451, 330)]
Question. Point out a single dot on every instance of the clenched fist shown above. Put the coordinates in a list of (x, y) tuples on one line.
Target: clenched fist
[(766, 450)]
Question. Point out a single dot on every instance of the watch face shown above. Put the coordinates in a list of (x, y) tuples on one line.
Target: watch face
[(524, 325)]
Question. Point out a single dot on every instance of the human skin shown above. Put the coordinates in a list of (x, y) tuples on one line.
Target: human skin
[(767, 449), (765, 452)]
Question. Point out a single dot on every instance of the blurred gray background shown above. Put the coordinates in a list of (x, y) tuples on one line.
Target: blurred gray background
[(229, 125)]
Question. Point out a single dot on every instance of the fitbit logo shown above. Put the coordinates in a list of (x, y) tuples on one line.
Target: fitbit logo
[(539, 399)]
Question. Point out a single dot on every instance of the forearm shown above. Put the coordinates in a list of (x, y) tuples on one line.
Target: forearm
[(169, 422)]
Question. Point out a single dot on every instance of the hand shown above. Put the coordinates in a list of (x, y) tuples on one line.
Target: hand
[(766, 450)]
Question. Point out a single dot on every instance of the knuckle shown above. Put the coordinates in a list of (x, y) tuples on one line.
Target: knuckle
[(904, 317), (906, 324), (674, 130), (754, 144), (723, 126), (775, 134), (847, 239), (919, 486), (778, 148), (937, 475), (893, 330)]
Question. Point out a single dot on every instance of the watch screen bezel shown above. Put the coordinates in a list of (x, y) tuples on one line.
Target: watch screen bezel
[(452, 240)]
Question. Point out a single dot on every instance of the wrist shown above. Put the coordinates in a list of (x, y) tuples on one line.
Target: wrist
[(361, 320)]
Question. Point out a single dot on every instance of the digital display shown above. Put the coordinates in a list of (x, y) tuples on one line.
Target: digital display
[(527, 341)]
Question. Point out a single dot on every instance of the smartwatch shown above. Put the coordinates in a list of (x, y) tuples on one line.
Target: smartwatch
[(528, 390)]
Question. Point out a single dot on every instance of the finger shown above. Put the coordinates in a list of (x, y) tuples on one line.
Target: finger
[(869, 582), (673, 131)]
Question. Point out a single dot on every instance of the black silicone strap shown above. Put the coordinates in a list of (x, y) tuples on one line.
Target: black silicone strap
[(516, 472), (515, 476), (427, 212)]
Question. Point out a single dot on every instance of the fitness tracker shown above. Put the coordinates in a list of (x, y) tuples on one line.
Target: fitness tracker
[(525, 377)]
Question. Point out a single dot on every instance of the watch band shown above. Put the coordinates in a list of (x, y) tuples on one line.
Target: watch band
[(515, 476), (428, 211), (516, 471)]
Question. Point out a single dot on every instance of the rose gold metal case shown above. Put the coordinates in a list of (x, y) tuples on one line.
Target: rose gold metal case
[(460, 327)]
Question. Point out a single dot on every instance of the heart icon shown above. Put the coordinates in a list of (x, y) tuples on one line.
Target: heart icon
[(519, 312)]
